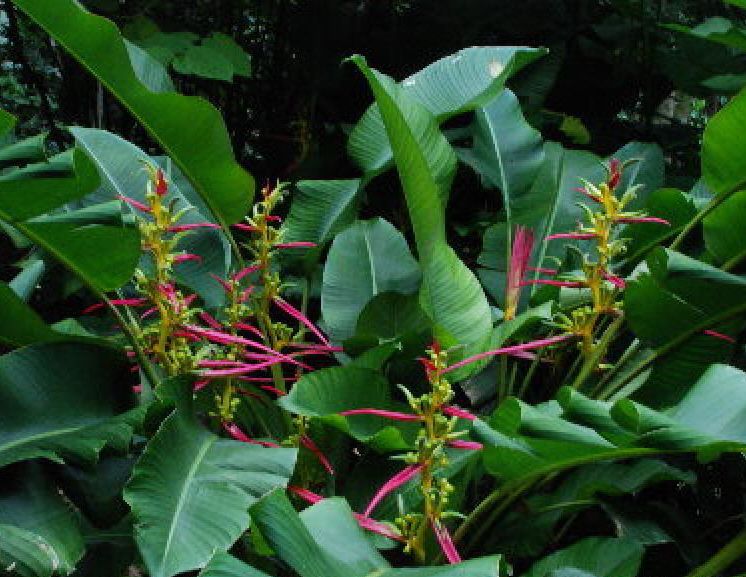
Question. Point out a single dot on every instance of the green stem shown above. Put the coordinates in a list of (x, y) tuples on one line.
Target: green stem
[(729, 554), (529, 375), (592, 361)]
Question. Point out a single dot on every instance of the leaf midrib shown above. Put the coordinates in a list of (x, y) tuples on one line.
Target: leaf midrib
[(186, 487)]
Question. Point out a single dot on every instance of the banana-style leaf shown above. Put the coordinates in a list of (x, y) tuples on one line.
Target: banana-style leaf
[(723, 232), (457, 83), (368, 258), (307, 550), (527, 442), (120, 165), (670, 308), (19, 323), (189, 129), (451, 294), (320, 209), (722, 162), (63, 401), (97, 246), (327, 392), (40, 532), (191, 490)]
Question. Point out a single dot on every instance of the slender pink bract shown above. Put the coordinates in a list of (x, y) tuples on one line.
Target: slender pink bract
[(643, 219), (309, 444), (721, 336), (192, 226), (446, 543), (393, 415), (391, 485), (468, 445), (508, 350), (460, 413), (233, 430), (572, 236), (296, 314), (134, 203), (559, 283)]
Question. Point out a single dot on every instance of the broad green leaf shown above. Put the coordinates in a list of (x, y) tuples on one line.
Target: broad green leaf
[(527, 442), (228, 48), (508, 152), (368, 258), (189, 129), (148, 70), (95, 245), (722, 163), (19, 323), (389, 316), (327, 392), (298, 546), (201, 60), (451, 294), (723, 232), (38, 188), (526, 532), (320, 209), (120, 165), (284, 531), (599, 556), (40, 531), (62, 401), (192, 502), (224, 565), (669, 307), (457, 83), (335, 530)]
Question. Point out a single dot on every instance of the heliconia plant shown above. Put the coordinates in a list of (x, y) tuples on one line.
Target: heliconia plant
[(274, 386)]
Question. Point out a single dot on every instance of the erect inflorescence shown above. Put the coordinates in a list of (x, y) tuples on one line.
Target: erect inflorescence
[(608, 212), (239, 346)]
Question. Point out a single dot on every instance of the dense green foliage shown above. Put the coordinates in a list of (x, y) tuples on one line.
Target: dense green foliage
[(531, 210)]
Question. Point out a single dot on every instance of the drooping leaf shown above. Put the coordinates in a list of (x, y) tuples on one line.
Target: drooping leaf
[(452, 85), (149, 71), (40, 532), (369, 258), (62, 401), (189, 129), (201, 60), (191, 502), (451, 294)]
